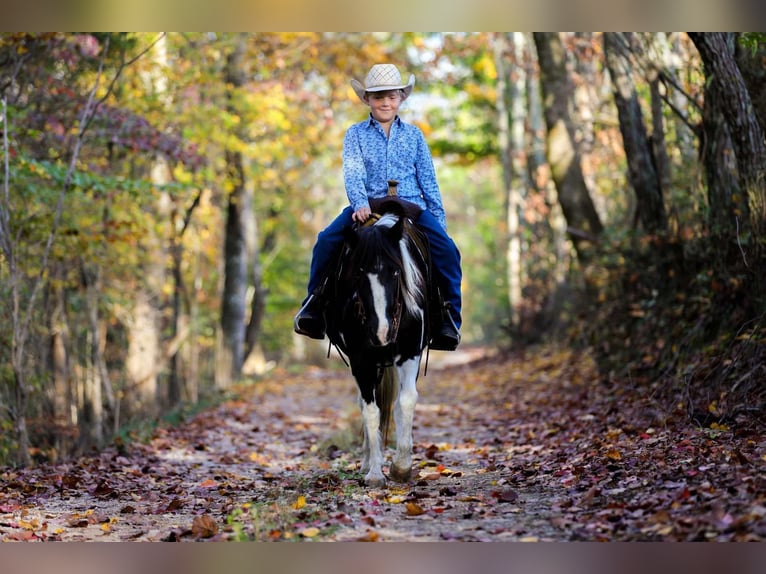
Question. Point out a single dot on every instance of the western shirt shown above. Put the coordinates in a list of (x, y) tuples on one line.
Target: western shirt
[(370, 159)]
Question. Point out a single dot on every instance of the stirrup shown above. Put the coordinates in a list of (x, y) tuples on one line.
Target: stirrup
[(447, 337)]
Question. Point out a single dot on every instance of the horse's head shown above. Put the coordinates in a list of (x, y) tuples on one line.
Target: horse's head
[(376, 268)]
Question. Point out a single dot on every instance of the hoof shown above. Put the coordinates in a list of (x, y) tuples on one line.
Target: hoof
[(375, 481), (400, 474)]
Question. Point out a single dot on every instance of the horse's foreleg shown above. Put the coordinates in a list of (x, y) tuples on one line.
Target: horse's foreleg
[(373, 455), (365, 468), (404, 411)]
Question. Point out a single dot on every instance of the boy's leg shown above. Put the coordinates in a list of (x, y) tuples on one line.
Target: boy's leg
[(446, 262), (310, 319)]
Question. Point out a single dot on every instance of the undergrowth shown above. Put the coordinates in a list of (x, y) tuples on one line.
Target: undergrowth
[(685, 324)]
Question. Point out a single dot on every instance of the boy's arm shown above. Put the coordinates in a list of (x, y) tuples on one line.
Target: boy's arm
[(354, 172), (424, 169)]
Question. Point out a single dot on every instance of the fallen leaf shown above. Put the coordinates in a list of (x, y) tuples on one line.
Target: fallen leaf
[(450, 472), (204, 526), (427, 475), (431, 452), (31, 525), (369, 536), (300, 503), (309, 532), (414, 509), (506, 495), (614, 454)]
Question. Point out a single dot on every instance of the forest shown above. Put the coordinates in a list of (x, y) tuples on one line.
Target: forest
[(161, 195)]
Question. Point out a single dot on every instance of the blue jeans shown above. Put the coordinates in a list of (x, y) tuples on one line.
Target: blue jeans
[(444, 255)]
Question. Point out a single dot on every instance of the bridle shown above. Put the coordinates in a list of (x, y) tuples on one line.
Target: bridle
[(361, 314)]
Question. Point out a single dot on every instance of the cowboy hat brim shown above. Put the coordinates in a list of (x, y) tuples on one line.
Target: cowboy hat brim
[(361, 91)]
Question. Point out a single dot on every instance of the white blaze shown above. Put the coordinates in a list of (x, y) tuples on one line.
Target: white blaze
[(379, 304)]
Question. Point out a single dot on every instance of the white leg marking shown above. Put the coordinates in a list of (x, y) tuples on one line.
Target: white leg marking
[(404, 411), (379, 302), (365, 468), (371, 420)]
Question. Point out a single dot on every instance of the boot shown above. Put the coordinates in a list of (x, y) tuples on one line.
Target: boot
[(310, 320), (447, 336)]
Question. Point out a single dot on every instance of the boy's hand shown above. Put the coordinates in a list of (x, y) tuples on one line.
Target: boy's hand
[(362, 214)]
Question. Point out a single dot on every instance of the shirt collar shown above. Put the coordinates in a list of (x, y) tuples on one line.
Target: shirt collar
[(374, 122)]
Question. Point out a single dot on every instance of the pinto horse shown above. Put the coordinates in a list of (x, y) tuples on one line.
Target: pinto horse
[(379, 319)]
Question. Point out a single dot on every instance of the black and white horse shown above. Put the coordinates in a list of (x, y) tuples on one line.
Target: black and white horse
[(379, 320)]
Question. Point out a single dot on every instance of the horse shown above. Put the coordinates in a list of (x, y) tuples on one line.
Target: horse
[(379, 319)]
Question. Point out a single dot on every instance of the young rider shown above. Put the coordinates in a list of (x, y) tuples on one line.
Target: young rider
[(381, 148)]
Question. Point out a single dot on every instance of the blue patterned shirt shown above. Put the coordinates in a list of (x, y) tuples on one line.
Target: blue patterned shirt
[(370, 160)]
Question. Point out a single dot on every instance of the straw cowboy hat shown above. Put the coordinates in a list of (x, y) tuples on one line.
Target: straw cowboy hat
[(383, 77)]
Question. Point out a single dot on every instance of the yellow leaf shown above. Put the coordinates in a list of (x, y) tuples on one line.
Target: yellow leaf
[(309, 532), (614, 454), (398, 490), (414, 509), (370, 536), (300, 503), (450, 472)]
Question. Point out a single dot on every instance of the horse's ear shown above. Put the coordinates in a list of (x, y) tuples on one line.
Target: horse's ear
[(394, 233)]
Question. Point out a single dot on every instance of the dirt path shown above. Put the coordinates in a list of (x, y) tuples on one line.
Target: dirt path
[(525, 448)]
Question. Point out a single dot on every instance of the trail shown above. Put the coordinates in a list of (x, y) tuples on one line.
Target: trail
[(528, 447)]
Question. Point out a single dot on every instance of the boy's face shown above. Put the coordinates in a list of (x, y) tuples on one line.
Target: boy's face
[(384, 105)]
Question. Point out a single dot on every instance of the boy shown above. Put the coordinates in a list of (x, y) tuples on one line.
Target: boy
[(377, 150)]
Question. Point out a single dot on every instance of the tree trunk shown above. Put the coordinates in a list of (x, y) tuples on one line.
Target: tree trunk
[(720, 170), (554, 225), (97, 383), (142, 357), (19, 413), (585, 100), (231, 343), (59, 367), (754, 75), (504, 103), (563, 157), (659, 148), (641, 168), (736, 106)]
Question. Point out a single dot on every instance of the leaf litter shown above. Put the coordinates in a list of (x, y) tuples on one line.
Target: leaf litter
[(533, 446)]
